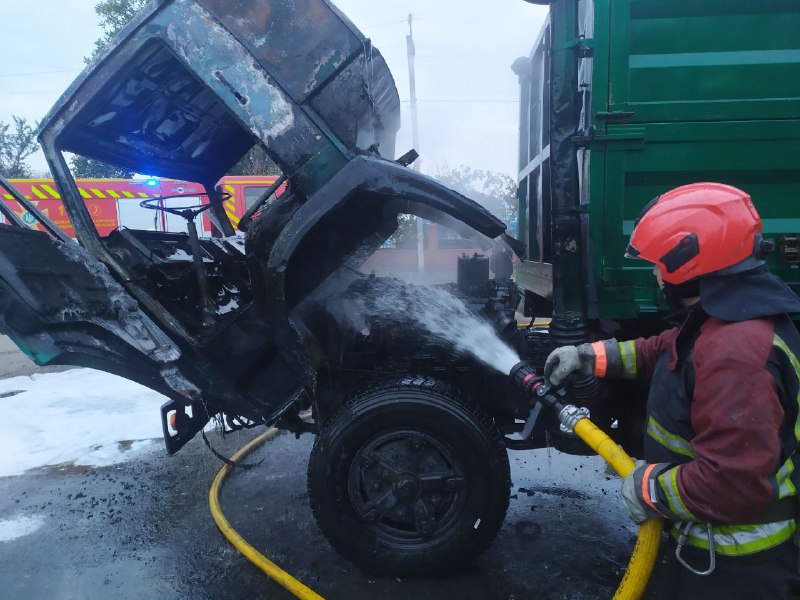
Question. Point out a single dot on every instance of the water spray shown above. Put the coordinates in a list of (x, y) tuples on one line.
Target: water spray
[(447, 318)]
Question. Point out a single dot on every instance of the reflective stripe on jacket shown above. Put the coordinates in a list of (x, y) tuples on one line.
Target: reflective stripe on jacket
[(723, 428)]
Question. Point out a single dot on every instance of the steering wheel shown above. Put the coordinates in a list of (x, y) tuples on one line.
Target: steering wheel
[(187, 212)]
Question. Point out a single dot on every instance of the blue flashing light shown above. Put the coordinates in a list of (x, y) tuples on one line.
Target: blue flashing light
[(152, 182)]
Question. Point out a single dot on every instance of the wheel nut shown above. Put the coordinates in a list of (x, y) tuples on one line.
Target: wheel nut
[(425, 527)]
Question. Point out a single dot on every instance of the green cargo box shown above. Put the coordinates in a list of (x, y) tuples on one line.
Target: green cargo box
[(624, 100)]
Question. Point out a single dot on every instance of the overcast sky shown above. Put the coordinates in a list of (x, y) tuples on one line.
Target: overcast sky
[(467, 93)]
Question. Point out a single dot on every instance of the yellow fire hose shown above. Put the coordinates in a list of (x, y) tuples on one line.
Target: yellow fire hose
[(272, 570), (645, 552), (631, 587)]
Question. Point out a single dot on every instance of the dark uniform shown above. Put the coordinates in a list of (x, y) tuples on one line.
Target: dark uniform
[(722, 441), (723, 433)]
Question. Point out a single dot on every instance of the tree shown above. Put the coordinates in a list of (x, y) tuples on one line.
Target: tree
[(405, 236), (255, 162), (114, 15), (97, 169), (497, 192), (16, 146)]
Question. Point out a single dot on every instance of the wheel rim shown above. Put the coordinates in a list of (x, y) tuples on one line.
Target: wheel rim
[(406, 486)]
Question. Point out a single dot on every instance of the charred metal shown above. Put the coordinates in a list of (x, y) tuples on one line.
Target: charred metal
[(246, 326)]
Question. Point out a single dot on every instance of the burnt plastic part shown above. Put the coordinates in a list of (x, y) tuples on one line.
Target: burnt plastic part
[(186, 425), (516, 245), (502, 263), (537, 345), (408, 158), (473, 273), (244, 222)]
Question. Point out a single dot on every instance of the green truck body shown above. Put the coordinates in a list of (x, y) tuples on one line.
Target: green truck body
[(624, 100)]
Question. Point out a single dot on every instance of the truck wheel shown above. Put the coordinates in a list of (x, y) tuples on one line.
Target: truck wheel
[(408, 479)]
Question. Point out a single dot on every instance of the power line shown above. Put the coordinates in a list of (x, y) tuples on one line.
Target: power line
[(470, 101), (449, 21), (30, 64), (384, 24), (31, 92), (38, 73)]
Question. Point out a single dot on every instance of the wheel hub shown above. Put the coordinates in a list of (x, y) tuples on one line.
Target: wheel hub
[(406, 485)]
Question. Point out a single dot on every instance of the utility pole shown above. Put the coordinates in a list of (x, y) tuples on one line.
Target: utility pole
[(412, 86)]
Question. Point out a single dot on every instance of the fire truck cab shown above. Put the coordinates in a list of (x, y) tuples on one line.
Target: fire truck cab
[(114, 203)]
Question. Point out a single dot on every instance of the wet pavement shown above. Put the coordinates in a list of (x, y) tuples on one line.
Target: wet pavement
[(143, 530), (13, 362)]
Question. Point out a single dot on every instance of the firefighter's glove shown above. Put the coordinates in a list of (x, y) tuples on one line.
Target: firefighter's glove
[(639, 491), (568, 361), (601, 359)]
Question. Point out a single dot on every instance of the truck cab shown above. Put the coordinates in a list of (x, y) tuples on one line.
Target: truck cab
[(266, 321)]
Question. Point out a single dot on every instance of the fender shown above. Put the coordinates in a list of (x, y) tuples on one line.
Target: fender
[(365, 197)]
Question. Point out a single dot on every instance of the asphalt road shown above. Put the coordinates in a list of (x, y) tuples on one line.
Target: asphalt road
[(143, 530), (13, 362)]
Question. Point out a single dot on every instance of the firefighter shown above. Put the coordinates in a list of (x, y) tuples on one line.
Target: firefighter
[(721, 443)]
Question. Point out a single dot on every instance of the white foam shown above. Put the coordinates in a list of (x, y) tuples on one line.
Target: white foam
[(20, 526), (81, 417)]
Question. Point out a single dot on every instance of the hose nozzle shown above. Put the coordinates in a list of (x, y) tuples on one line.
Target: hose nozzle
[(524, 375)]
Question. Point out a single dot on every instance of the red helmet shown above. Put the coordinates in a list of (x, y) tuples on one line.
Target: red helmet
[(696, 230)]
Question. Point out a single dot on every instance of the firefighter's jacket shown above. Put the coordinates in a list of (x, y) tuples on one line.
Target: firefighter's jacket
[(722, 428)]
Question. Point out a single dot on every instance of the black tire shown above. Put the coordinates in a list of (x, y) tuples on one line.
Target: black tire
[(409, 479)]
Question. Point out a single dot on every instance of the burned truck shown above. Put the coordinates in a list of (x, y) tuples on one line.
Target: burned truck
[(257, 327)]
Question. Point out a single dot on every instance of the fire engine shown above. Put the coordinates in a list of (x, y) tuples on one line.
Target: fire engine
[(115, 202)]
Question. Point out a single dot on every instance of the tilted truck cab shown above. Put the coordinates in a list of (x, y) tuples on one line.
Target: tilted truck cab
[(409, 473)]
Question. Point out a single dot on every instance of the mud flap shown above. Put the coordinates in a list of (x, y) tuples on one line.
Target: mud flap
[(187, 424)]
